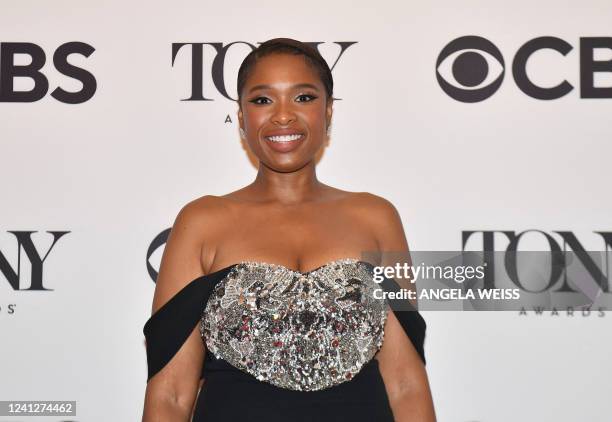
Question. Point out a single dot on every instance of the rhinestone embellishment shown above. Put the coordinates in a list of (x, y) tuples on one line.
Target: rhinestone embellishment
[(300, 331)]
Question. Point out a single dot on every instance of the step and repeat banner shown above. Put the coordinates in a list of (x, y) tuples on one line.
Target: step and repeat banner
[(488, 124)]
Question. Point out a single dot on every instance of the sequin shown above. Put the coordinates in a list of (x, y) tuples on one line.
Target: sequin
[(297, 331)]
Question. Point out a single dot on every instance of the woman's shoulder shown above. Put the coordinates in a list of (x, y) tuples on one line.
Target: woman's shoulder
[(372, 200), (204, 217), (371, 205), (379, 216), (210, 203), (358, 198), (204, 210)]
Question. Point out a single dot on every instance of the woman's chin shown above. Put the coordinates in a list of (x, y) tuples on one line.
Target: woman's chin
[(287, 164)]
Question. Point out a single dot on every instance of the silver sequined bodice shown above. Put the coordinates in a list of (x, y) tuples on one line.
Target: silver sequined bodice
[(301, 331)]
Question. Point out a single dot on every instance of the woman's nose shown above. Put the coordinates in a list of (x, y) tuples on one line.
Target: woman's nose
[(283, 114)]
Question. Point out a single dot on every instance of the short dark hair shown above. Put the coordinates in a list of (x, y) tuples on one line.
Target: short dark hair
[(286, 46)]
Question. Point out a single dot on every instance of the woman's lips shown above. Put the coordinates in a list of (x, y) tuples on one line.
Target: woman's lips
[(284, 143)]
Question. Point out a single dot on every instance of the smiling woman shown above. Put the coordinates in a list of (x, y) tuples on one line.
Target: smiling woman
[(262, 293), (285, 107)]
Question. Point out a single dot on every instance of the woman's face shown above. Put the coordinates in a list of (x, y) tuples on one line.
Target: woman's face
[(284, 112)]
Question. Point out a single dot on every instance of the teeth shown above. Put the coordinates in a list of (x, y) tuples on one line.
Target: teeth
[(284, 138)]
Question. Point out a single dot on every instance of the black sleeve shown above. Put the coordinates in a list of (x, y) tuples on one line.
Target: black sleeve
[(170, 326), (410, 319)]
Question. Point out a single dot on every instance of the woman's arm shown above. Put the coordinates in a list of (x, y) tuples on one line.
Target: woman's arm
[(404, 376), (400, 365), (170, 394)]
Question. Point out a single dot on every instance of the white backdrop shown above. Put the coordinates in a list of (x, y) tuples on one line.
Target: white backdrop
[(114, 170)]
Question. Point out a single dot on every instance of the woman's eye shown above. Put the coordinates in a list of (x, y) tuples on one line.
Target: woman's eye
[(257, 100), (302, 98), (308, 97)]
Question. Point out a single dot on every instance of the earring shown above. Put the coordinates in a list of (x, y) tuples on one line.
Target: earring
[(242, 133), (328, 129)]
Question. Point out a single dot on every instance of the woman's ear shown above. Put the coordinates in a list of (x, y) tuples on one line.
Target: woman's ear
[(329, 110), (240, 118)]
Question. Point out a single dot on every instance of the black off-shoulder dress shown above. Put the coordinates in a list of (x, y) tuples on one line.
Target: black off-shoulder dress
[(282, 345)]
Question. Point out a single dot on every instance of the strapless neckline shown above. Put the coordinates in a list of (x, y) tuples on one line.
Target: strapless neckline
[(328, 264)]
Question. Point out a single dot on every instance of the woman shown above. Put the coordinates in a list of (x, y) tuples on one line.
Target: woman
[(259, 291)]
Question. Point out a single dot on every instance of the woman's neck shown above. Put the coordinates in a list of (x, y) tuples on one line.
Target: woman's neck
[(288, 188)]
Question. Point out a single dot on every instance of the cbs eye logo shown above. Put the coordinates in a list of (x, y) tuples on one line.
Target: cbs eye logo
[(471, 68)]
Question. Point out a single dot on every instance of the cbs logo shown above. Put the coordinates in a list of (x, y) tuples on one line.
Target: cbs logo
[(33, 70), (471, 68)]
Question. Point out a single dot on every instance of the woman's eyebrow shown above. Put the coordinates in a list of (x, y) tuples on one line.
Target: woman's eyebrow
[(296, 86)]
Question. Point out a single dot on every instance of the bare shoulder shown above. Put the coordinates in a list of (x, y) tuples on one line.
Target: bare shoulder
[(206, 214), (204, 209), (382, 218), (373, 207), (192, 233)]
